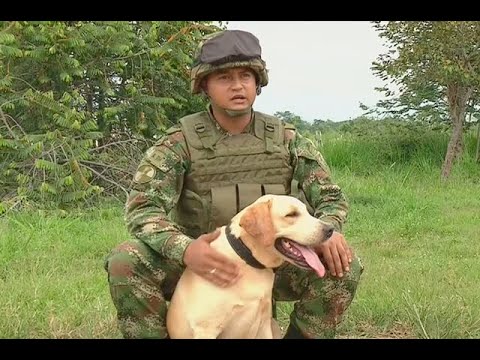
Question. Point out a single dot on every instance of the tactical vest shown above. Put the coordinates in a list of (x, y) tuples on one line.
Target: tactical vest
[(228, 173)]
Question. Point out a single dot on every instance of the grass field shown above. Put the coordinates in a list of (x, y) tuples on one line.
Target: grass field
[(418, 238)]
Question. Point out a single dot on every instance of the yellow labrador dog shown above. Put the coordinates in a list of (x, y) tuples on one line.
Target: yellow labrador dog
[(274, 229)]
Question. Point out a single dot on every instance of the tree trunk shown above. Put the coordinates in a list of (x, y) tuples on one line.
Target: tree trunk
[(458, 97), (453, 150)]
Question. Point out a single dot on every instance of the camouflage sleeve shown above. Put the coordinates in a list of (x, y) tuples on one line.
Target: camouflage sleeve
[(156, 188), (314, 177)]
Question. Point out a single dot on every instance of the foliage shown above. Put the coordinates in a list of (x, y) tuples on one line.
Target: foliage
[(80, 101), (68, 89), (436, 67)]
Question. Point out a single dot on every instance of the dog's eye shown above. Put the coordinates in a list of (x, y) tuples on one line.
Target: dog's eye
[(293, 214)]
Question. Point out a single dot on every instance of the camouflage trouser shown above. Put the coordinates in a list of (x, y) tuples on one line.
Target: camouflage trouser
[(141, 282)]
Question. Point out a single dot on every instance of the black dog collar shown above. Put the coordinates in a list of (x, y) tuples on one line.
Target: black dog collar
[(242, 250)]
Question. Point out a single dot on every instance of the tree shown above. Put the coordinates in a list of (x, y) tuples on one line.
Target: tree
[(436, 65), (293, 119), (69, 88)]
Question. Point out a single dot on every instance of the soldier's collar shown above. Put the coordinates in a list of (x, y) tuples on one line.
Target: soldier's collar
[(242, 250), (248, 128)]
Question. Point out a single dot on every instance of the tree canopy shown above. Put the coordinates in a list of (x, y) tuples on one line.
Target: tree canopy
[(436, 67), (68, 88)]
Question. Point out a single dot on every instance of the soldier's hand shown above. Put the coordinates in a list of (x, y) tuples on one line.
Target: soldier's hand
[(336, 254), (205, 261)]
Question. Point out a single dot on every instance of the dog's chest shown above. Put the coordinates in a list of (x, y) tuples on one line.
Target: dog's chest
[(255, 284), (248, 318)]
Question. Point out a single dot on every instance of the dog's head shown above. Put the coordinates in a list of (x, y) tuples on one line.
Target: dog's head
[(279, 228)]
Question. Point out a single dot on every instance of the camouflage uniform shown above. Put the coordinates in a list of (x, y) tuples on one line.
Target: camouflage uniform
[(143, 271)]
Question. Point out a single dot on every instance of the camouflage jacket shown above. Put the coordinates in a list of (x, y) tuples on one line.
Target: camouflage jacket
[(156, 190)]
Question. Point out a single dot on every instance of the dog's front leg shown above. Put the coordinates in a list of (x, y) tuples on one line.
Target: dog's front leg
[(207, 329), (265, 330)]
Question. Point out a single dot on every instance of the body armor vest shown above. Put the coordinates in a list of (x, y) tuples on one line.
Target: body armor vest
[(228, 173)]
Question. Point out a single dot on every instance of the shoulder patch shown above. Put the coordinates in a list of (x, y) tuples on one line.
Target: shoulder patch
[(163, 159), (145, 173)]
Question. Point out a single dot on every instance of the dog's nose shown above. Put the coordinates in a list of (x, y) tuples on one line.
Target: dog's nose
[(328, 231)]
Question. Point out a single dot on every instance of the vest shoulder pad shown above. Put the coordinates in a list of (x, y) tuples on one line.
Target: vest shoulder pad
[(267, 117), (173, 129), (198, 130), (268, 126)]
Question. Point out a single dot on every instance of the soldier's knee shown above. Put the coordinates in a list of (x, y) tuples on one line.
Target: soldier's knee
[(343, 287), (356, 270), (351, 278), (121, 260)]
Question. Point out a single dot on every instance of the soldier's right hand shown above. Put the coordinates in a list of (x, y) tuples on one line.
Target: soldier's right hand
[(205, 261)]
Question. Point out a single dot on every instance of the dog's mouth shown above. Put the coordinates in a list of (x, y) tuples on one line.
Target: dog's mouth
[(302, 256)]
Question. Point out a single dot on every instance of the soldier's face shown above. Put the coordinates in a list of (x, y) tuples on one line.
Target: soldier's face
[(233, 89)]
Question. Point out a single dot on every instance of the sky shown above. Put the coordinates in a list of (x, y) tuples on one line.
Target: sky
[(317, 69)]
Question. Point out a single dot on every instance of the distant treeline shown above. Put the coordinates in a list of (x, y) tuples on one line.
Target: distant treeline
[(80, 101)]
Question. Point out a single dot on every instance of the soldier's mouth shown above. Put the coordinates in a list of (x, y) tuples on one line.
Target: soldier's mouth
[(302, 256)]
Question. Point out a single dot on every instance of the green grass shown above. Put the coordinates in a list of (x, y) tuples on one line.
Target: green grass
[(52, 283), (419, 241), (418, 238)]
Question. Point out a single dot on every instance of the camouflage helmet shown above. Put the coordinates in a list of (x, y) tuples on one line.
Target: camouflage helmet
[(228, 49)]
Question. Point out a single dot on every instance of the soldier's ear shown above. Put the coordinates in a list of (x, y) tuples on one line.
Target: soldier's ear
[(203, 86)]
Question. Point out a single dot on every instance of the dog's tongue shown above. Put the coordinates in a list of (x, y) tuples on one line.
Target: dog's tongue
[(312, 259)]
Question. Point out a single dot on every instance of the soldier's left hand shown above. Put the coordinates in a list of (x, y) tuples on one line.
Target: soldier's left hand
[(336, 254)]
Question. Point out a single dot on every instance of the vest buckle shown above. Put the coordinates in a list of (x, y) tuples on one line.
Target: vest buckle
[(199, 128), (269, 127)]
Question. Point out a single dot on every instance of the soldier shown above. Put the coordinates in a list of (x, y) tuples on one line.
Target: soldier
[(206, 169)]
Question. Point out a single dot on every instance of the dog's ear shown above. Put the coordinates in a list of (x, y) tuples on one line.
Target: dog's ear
[(257, 222)]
